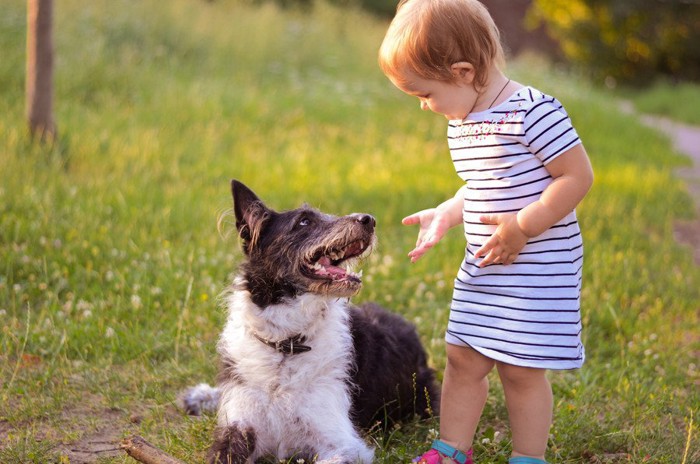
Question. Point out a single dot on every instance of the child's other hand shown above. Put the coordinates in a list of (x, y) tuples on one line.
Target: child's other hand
[(505, 244), (433, 227)]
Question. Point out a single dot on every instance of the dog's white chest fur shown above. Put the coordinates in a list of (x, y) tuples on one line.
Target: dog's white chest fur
[(295, 402)]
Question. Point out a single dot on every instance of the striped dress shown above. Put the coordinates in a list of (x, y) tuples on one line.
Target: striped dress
[(526, 313)]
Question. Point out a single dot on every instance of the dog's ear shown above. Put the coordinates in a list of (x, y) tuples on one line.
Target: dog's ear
[(251, 214)]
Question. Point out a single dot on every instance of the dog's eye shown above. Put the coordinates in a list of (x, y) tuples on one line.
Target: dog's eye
[(304, 222)]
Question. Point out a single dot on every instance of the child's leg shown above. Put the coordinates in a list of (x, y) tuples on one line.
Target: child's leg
[(529, 401), (464, 389)]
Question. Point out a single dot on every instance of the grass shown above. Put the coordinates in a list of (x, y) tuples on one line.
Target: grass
[(111, 263), (675, 100)]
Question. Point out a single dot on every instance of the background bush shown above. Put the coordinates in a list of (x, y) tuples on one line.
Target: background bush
[(628, 40)]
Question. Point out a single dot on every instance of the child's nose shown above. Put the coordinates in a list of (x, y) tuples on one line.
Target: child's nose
[(424, 105)]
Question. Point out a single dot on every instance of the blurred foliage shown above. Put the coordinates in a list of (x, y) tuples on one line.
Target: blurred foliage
[(380, 8), (626, 41), (631, 41)]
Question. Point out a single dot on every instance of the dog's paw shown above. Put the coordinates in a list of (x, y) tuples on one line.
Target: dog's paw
[(200, 399), (361, 456), (334, 460)]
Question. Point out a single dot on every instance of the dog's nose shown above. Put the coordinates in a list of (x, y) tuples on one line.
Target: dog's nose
[(366, 220)]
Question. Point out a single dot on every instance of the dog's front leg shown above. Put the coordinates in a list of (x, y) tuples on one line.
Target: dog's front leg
[(359, 454), (232, 445), (343, 444)]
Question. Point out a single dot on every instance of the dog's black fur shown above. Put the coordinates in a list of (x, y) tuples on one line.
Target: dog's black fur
[(388, 346), (302, 251)]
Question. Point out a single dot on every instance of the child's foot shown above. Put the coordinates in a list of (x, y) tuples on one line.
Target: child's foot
[(442, 453)]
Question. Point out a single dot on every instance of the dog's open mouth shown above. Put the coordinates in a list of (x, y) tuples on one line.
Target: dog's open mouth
[(335, 264)]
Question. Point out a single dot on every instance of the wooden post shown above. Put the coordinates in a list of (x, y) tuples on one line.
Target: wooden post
[(39, 85)]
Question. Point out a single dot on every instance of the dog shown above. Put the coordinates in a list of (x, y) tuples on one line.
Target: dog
[(303, 373)]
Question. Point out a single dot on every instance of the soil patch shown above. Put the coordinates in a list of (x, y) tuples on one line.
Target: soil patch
[(100, 443)]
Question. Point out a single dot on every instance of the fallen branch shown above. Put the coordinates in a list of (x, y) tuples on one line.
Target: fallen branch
[(142, 451)]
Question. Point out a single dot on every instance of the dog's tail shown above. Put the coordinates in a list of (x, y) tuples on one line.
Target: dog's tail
[(200, 399)]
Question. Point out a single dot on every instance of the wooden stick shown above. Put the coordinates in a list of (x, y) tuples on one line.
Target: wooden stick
[(142, 451)]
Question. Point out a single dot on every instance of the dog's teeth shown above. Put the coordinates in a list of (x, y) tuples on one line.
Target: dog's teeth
[(337, 255)]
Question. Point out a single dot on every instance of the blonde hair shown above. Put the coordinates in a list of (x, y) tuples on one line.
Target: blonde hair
[(426, 37)]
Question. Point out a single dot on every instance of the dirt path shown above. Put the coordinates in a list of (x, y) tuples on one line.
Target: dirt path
[(686, 140)]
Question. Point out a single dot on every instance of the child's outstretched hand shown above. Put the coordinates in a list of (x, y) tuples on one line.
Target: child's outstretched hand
[(505, 244), (433, 226)]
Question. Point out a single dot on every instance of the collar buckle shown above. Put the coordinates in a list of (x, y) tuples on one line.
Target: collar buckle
[(291, 345)]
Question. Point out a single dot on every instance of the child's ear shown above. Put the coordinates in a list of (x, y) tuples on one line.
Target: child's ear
[(463, 72)]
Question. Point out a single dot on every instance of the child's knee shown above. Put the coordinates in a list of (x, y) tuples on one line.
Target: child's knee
[(463, 361), (519, 376)]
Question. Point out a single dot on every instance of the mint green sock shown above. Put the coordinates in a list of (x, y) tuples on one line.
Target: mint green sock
[(525, 460)]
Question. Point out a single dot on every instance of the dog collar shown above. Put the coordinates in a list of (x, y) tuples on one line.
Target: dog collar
[(291, 345)]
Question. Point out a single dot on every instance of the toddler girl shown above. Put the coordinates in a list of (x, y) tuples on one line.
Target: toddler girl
[(515, 304)]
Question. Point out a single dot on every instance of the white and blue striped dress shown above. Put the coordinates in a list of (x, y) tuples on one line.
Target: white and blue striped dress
[(526, 313)]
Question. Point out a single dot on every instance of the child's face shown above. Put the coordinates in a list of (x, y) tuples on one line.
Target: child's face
[(454, 100)]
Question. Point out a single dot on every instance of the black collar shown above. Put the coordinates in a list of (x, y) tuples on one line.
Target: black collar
[(291, 345)]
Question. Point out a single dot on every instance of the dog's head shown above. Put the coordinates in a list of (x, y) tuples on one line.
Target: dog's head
[(299, 251)]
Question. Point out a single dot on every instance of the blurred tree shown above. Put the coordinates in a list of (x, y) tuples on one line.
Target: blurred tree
[(629, 40), (382, 8), (509, 17), (39, 85)]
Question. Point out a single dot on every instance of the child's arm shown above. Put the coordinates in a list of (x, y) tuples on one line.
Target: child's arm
[(573, 177), (434, 223)]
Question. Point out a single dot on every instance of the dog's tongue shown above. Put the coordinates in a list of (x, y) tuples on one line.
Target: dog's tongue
[(328, 268)]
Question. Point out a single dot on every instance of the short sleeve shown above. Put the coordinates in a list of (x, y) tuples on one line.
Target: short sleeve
[(548, 129)]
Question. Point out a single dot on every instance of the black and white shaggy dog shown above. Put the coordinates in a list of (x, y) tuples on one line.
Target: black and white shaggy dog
[(304, 372)]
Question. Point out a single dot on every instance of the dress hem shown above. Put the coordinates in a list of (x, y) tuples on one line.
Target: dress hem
[(504, 358)]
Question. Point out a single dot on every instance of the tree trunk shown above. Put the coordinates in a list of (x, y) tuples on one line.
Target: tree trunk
[(40, 69)]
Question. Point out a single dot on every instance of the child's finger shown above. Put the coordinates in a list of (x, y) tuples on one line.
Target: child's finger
[(415, 254), (424, 246), (488, 259), (421, 248), (411, 220), (485, 248), (491, 219)]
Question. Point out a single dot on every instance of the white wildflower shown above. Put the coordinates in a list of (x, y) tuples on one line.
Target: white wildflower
[(136, 302), (83, 305)]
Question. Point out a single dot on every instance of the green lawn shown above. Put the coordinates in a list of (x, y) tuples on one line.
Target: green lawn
[(678, 101), (111, 261)]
